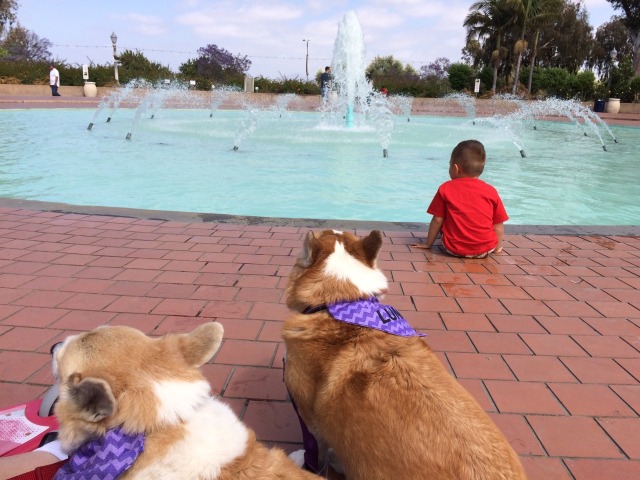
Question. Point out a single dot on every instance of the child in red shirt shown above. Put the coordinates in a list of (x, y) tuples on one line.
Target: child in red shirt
[(468, 211)]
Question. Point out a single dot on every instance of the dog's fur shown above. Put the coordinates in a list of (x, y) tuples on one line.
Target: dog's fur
[(383, 403), (118, 377)]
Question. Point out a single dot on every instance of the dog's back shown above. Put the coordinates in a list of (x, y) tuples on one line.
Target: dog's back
[(117, 378), (384, 403)]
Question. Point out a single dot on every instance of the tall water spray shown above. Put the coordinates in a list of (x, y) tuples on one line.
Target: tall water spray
[(348, 68)]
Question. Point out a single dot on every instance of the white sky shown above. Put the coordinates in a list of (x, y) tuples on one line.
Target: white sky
[(270, 32)]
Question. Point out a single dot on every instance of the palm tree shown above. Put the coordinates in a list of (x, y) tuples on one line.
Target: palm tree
[(531, 14), (490, 18)]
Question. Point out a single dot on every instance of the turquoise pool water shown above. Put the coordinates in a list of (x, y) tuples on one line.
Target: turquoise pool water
[(297, 166)]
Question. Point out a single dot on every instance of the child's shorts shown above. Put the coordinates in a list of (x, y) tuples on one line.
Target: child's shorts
[(480, 255)]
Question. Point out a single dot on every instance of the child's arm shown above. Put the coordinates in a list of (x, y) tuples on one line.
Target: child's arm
[(434, 228), (499, 229)]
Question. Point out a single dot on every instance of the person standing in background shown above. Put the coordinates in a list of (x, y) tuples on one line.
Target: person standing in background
[(54, 80), (326, 83)]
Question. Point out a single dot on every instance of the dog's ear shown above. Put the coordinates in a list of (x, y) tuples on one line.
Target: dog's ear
[(92, 398), (306, 255), (371, 246), (201, 344)]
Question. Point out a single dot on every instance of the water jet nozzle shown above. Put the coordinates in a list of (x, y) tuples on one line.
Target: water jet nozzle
[(522, 154), (385, 152), (211, 115), (90, 126), (585, 134), (128, 136), (235, 147), (604, 147), (153, 115), (535, 127), (408, 119), (108, 119), (615, 140)]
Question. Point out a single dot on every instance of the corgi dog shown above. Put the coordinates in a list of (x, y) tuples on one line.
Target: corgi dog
[(136, 407), (367, 386)]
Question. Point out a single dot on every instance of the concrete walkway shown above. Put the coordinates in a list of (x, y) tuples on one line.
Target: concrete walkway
[(546, 335)]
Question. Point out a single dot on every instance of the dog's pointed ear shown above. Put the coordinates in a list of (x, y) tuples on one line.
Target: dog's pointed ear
[(306, 255), (201, 344), (93, 398), (371, 245)]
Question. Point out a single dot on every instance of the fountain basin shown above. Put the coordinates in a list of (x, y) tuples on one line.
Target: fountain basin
[(296, 166)]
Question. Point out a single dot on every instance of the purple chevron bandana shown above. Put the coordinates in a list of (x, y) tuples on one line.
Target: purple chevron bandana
[(373, 314), (104, 458)]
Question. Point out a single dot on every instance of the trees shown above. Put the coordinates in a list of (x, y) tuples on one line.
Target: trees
[(389, 72), (489, 19), (23, 44), (437, 69), (460, 76), (531, 14), (610, 35), (137, 65), (217, 65), (631, 9), (384, 67), (7, 13)]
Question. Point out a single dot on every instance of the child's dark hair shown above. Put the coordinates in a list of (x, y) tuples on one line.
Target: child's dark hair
[(470, 156)]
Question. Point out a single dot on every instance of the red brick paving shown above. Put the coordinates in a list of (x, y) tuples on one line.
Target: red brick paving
[(545, 336)]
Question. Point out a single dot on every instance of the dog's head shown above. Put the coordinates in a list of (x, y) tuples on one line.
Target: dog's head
[(119, 377), (335, 266)]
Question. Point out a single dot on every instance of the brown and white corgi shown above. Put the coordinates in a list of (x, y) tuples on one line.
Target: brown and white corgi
[(376, 394), (116, 379)]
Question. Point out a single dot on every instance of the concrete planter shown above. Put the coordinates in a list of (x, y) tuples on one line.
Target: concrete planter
[(613, 105), (90, 89)]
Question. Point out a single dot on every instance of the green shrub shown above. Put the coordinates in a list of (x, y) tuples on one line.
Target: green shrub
[(634, 87), (461, 77)]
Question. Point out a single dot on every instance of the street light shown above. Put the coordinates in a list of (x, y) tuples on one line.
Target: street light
[(114, 39), (613, 54), (307, 58)]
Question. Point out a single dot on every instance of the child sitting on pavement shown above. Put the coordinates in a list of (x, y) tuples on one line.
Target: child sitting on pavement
[(467, 210)]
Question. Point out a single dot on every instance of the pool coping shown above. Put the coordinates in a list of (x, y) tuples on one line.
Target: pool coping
[(203, 217)]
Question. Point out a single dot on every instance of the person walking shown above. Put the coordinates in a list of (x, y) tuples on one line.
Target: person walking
[(54, 81)]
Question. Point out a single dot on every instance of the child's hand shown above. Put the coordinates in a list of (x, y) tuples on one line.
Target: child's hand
[(420, 245)]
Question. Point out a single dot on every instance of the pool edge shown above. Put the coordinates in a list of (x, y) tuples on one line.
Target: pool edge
[(201, 217)]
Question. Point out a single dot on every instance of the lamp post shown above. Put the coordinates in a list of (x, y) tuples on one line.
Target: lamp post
[(613, 54), (307, 57), (114, 39)]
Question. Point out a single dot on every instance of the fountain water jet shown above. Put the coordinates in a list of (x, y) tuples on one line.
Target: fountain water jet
[(403, 103), (467, 102), (348, 67), (101, 106)]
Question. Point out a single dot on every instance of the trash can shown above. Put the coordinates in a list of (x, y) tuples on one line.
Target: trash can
[(598, 106)]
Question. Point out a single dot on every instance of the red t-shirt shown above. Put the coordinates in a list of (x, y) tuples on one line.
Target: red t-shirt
[(470, 208)]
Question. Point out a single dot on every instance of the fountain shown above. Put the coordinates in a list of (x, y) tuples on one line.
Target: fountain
[(101, 107), (403, 104), (467, 102), (348, 67)]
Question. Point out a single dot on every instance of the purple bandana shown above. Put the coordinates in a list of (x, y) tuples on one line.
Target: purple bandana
[(104, 458), (373, 314)]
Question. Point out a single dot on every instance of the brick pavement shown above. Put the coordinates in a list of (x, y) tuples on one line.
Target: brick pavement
[(545, 336)]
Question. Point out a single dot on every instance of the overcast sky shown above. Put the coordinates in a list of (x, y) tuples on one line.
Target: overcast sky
[(270, 32)]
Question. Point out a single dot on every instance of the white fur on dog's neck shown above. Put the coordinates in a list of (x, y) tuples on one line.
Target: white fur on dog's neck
[(177, 400), (213, 438), (341, 265)]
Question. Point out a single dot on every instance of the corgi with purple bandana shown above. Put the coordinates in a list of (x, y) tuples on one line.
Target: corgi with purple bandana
[(136, 407), (371, 394)]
